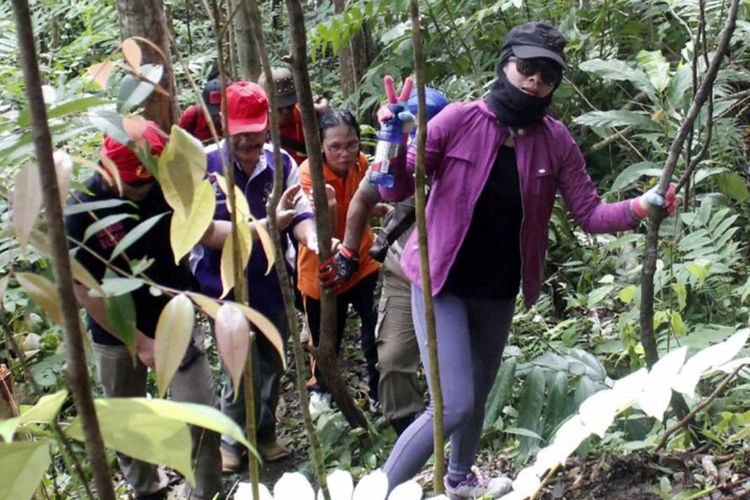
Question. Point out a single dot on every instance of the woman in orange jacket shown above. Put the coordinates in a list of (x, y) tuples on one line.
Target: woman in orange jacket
[(344, 166)]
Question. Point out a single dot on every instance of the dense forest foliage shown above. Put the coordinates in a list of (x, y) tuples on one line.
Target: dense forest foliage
[(634, 68)]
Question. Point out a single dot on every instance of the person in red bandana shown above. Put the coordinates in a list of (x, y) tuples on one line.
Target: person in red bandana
[(118, 374)]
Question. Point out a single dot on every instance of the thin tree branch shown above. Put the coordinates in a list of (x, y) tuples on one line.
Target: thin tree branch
[(420, 198), (689, 417), (75, 370)]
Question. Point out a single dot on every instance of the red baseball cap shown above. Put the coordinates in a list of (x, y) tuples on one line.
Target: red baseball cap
[(130, 167), (247, 108)]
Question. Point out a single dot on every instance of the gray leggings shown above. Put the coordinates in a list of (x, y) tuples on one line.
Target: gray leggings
[(471, 335)]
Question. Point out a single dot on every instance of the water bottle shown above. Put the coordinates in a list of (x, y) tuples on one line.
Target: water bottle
[(389, 140)]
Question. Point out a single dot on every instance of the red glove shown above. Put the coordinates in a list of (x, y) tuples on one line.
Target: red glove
[(339, 267), (669, 202)]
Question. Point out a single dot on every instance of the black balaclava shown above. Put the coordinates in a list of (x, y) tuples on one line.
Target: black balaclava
[(513, 106)]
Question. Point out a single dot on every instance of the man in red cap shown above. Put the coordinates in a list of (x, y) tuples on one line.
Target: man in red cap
[(251, 157), (118, 374), (193, 119)]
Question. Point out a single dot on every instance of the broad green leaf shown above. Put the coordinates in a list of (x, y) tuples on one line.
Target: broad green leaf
[(45, 410), (266, 327), (131, 427), (27, 201), (616, 118), (598, 294), (156, 419), (500, 391), (530, 405), (93, 206), (700, 268), (72, 106), (174, 331), (182, 167), (233, 341), (8, 428), (657, 68), (22, 466), (184, 233), (133, 91), (627, 294), (109, 123), (556, 409), (122, 315), (677, 324), (43, 292), (519, 431), (681, 291), (734, 186), (104, 223), (631, 174), (227, 259), (135, 234), (679, 87), (614, 69), (120, 286), (80, 273)]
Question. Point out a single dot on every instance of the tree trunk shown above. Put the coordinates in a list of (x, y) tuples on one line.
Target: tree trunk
[(75, 370), (353, 56), (146, 18), (248, 63), (325, 354)]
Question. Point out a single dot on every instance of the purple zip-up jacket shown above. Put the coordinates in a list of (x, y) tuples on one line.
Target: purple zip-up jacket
[(462, 143)]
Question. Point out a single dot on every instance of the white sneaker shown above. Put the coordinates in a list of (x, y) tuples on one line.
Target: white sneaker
[(375, 406), (475, 485), (319, 402)]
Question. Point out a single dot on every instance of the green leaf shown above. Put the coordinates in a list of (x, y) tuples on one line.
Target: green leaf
[(104, 223), (182, 168), (122, 316), (138, 432), (232, 332), (614, 69), (77, 105), (679, 87), (519, 431), (155, 430), (699, 268), (27, 201), (22, 465), (111, 124), (598, 294), (556, 409), (617, 118), (133, 91), (734, 186), (45, 410), (500, 391), (8, 428), (530, 405), (135, 234), (657, 68), (681, 291), (627, 294), (631, 174), (120, 286), (93, 206), (174, 331)]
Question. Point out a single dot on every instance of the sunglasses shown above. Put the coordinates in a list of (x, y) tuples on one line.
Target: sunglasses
[(551, 71)]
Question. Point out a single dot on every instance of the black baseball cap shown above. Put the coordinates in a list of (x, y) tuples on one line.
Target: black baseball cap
[(212, 96), (286, 95), (536, 39)]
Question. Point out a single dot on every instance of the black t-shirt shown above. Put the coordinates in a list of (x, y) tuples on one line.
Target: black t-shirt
[(488, 264), (154, 244)]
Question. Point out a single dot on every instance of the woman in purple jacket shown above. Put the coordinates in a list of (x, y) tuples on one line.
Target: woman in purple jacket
[(495, 166)]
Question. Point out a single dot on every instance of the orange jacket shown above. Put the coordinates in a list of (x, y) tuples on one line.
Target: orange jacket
[(307, 261)]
